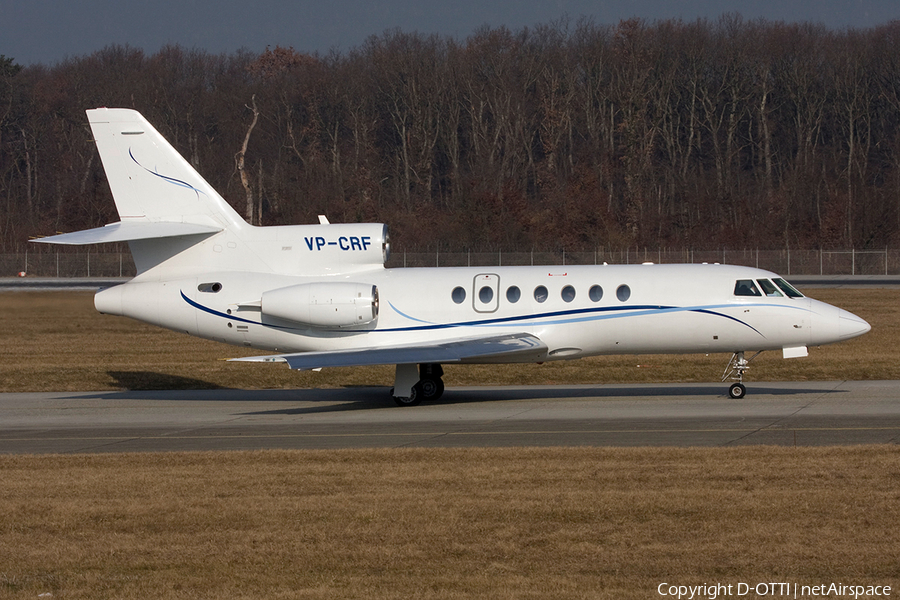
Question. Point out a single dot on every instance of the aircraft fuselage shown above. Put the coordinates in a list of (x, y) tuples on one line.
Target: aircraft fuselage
[(575, 310)]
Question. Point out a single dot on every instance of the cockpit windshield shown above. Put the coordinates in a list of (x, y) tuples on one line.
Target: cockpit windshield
[(787, 288), (745, 287), (768, 288)]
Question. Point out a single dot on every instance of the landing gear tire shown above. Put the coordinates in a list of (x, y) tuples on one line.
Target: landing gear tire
[(429, 386), (737, 391), (431, 389), (415, 397)]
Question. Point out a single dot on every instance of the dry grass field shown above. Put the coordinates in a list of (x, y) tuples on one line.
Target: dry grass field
[(398, 524), (56, 341), (541, 523)]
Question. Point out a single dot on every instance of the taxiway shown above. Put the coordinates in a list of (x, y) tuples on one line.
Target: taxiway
[(783, 413)]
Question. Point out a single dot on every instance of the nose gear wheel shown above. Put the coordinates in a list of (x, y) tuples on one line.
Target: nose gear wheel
[(735, 370)]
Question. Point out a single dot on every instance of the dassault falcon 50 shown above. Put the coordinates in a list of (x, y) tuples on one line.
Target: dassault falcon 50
[(319, 295)]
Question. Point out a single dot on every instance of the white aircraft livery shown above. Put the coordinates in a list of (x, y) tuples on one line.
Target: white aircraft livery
[(317, 296)]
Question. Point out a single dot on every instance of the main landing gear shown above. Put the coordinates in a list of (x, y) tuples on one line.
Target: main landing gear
[(424, 383), (735, 370)]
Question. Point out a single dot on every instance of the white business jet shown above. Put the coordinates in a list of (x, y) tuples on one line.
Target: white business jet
[(319, 296)]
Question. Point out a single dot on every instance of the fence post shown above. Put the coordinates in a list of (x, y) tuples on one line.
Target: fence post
[(89, 264), (57, 265), (853, 261)]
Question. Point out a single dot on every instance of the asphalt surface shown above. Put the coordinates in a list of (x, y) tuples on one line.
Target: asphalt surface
[(785, 413)]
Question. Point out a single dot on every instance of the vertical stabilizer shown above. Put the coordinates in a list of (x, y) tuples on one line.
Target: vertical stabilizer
[(149, 179)]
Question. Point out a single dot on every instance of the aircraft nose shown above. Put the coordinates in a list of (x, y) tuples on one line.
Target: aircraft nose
[(851, 326)]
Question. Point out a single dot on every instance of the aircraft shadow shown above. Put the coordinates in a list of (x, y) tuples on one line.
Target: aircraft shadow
[(612, 393), (370, 397), (365, 398), (356, 398), (148, 380)]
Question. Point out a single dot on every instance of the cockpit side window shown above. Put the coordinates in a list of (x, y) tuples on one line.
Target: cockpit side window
[(745, 287), (768, 288), (787, 288)]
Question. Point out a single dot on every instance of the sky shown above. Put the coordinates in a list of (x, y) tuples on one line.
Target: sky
[(49, 31)]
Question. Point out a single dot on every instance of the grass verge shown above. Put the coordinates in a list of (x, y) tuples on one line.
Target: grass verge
[(441, 523)]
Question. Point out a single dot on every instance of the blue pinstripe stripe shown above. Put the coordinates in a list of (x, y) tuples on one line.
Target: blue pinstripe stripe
[(582, 315), (172, 180)]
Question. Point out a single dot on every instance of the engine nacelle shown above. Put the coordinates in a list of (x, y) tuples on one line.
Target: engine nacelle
[(328, 304)]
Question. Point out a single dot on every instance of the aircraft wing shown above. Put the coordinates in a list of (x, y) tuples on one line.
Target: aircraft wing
[(487, 348)]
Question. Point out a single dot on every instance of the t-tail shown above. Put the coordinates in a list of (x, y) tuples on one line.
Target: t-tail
[(177, 225), (165, 206)]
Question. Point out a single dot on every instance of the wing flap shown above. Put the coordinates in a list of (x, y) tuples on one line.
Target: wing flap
[(126, 232), (495, 348)]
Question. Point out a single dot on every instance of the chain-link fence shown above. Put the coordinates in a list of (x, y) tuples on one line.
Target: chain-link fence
[(785, 262), (67, 264)]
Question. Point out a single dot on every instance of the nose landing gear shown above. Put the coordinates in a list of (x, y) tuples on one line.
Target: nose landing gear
[(735, 370)]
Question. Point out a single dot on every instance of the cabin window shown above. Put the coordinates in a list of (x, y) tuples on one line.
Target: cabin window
[(210, 288), (623, 293), (787, 288), (745, 287), (768, 288), (540, 293), (568, 293), (595, 293), (486, 294), (458, 295), (513, 294)]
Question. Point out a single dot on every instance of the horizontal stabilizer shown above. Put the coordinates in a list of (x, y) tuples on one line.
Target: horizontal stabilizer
[(485, 349), (127, 232)]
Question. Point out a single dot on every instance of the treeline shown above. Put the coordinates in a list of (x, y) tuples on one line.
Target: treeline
[(725, 133)]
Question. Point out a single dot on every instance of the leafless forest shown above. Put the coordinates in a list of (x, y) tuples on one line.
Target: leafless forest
[(726, 133)]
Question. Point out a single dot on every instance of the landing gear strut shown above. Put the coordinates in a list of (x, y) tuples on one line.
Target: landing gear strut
[(424, 383), (735, 370)]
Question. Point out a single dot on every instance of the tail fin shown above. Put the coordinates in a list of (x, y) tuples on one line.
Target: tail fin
[(149, 179), (165, 206)]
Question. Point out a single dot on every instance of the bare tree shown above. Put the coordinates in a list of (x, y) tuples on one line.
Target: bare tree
[(250, 210)]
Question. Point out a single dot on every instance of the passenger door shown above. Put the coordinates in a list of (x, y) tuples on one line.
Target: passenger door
[(486, 293)]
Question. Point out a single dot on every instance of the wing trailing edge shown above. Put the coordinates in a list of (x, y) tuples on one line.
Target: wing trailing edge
[(522, 347)]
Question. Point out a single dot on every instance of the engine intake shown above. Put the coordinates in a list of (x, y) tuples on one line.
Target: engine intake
[(335, 304)]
